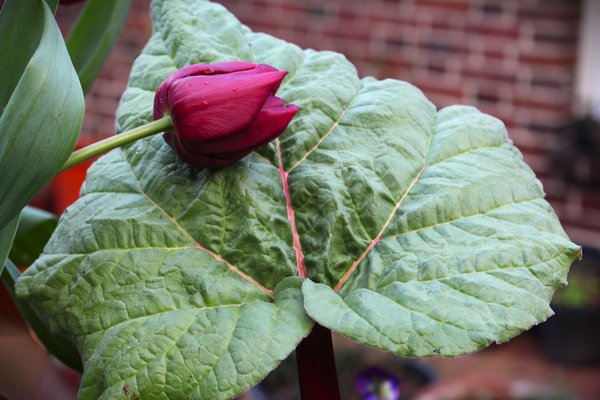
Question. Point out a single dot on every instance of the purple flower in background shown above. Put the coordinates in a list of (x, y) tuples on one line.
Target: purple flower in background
[(221, 112), (375, 383)]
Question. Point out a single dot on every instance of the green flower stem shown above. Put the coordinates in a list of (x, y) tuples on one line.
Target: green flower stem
[(152, 128), (59, 346)]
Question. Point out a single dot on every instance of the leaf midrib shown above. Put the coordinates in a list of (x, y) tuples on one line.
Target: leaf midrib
[(462, 217), (158, 314), (296, 240), (197, 245), (377, 238)]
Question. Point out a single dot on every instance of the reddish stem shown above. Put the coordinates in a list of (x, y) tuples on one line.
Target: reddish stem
[(316, 366)]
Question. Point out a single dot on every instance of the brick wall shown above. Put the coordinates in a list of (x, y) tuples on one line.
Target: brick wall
[(514, 59), (102, 100)]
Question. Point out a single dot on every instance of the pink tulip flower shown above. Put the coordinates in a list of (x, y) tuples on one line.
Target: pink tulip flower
[(222, 112)]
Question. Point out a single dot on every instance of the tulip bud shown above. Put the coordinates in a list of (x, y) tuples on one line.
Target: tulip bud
[(221, 112)]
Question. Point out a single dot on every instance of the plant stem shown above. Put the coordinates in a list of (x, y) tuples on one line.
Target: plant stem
[(112, 142), (316, 366)]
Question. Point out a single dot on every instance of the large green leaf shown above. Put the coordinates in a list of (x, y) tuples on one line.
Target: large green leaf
[(421, 231), (41, 103), (94, 35), (469, 255)]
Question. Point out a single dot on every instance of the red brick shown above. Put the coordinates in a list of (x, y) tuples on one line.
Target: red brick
[(584, 237), (563, 10), (484, 28), (549, 55), (540, 103), (446, 5), (589, 220)]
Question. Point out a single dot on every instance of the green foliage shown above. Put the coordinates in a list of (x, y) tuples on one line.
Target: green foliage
[(41, 103), (583, 290), (35, 228), (471, 255), (58, 345), (52, 4), (94, 35), (7, 234), (422, 231)]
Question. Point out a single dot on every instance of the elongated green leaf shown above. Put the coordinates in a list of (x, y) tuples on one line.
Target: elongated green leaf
[(41, 103), (35, 228), (94, 35), (421, 231), (6, 239), (52, 4), (12, 29)]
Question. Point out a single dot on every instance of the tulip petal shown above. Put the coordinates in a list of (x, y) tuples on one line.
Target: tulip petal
[(274, 101), (160, 100), (205, 108), (200, 160), (269, 124), (261, 69)]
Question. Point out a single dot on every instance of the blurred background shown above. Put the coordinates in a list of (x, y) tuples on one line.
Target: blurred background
[(532, 63)]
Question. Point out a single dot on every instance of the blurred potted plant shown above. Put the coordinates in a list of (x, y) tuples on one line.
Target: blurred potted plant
[(571, 336)]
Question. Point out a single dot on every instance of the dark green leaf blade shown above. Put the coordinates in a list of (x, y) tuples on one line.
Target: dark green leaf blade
[(42, 113), (12, 15), (35, 228), (7, 234), (93, 36), (53, 5)]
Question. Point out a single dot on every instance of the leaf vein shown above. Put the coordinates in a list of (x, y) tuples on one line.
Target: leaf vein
[(147, 361), (158, 314), (125, 249), (196, 243), (225, 351), (489, 271), (462, 217), (466, 152), (391, 339), (377, 238), (290, 213), (439, 321), (335, 124)]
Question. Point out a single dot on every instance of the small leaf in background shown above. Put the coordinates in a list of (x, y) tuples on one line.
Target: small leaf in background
[(94, 35), (41, 103), (35, 228), (410, 229)]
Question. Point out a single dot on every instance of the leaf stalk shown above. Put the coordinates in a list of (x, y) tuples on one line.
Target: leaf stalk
[(316, 366)]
